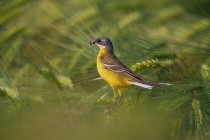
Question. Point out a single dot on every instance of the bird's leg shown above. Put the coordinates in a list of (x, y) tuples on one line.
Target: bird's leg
[(118, 97)]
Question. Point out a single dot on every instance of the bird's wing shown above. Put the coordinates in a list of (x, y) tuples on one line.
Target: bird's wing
[(115, 65)]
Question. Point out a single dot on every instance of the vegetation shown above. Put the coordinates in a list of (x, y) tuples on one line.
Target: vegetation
[(48, 79)]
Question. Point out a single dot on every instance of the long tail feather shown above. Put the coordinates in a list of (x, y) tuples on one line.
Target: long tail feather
[(148, 85), (168, 84), (141, 85)]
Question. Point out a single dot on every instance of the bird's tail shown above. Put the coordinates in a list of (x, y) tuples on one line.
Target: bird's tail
[(148, 85)]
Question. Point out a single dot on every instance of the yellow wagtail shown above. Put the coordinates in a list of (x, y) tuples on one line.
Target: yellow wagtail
[(113, 71)]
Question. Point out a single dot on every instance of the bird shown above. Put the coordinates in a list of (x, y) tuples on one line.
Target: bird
[(114, 72)]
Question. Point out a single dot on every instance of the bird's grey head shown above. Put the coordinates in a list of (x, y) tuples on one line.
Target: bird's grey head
[(103, 42)]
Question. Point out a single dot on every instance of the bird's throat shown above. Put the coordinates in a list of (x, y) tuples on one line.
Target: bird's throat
[(102, 52), (105, 52)]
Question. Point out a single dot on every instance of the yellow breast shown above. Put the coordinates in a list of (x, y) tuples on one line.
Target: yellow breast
[(113, 78)]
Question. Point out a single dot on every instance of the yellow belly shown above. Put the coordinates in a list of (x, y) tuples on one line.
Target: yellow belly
[(113, 78)]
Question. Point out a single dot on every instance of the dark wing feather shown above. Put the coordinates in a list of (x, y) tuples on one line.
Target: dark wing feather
[(114, 64)]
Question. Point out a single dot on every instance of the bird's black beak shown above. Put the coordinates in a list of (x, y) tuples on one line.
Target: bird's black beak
[(93, 42)]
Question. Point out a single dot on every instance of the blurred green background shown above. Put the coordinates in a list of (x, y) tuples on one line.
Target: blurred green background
[(47, 69)]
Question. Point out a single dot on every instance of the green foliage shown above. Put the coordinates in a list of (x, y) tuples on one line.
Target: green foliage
[(145, 64), (48, 73), (198, 113), (8, 91)]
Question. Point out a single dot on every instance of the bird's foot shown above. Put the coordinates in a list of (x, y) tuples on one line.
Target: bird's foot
[(109, 110)]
